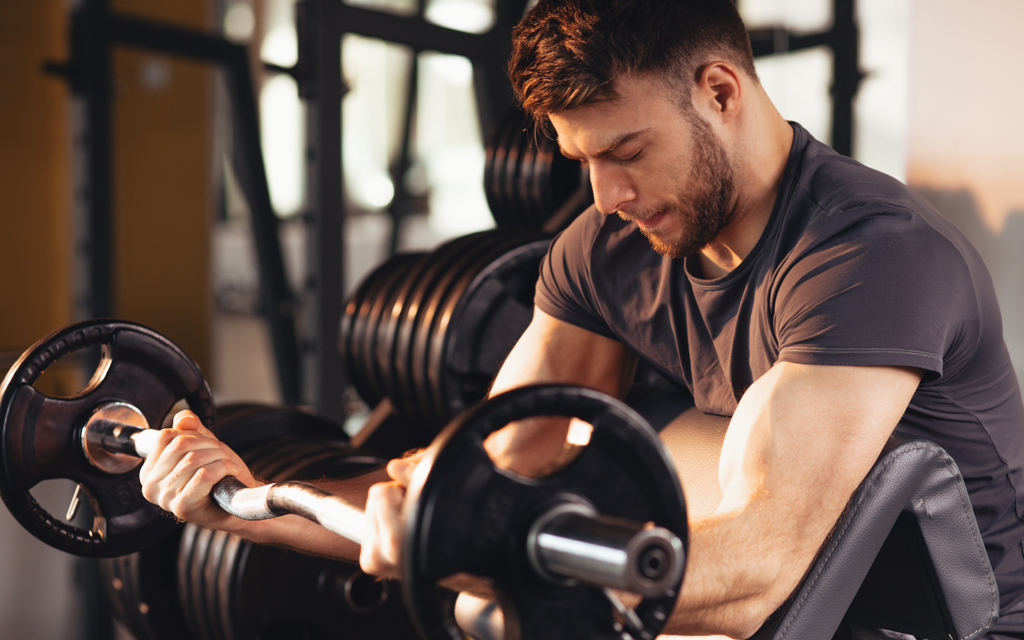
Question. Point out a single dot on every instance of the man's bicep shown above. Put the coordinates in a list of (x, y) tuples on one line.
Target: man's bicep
[(813, 428), (551, 350), (802, 439)]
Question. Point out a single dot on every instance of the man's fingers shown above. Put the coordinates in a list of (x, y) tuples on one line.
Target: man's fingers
[(198, 482), (381, 551), (401, 469), (188, 421), (167, 488)]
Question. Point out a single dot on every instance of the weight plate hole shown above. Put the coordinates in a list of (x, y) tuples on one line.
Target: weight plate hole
[(365, 593), (577, 437), (55, 496), (478, 608), (74, 374)]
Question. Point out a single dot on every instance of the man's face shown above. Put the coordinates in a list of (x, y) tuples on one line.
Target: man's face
[(653, 163)]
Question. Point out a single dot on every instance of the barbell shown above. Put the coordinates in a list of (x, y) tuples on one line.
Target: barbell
[(614, 517)]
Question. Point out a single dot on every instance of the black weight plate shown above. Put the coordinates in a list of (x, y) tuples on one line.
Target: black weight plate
[(485, 242), (493, 158), (196, 585), (404, 315), (506, 173), (524, 176), (540, 192), (141, 368), (503, 215), (266, 436), (467, 516), (566, 177), (355, 338), (214, 559), (548, 155), (361, 343), (505, 240), (244, 426), (380, 313), (142, 586), (283, 595), (518, 141), (540, 189), (346, 328), (185, 551), (414, 356), (387, 339), (490, 316), (437, 267)]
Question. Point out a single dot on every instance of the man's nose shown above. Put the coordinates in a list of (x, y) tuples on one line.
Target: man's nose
[(613, 190)]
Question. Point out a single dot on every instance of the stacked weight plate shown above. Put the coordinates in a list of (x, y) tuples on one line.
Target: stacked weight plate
[(204, 585), (142, 588), (526, 179), (429, 331)]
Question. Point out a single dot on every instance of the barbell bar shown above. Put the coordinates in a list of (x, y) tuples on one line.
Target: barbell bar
[(567, 541)]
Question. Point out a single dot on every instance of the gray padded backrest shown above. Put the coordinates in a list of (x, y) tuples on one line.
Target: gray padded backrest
[(951, 591)]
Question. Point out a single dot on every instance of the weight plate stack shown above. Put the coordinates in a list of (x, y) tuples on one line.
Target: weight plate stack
[(231, 589), (352, 335), (170, 590), (142, 589), (527, 180), (430, 332)]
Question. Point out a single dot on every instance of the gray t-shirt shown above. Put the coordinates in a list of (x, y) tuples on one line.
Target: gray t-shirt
[(853, 268)]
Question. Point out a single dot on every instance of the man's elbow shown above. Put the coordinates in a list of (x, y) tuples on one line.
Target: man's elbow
[(750, 616), (737, 619)]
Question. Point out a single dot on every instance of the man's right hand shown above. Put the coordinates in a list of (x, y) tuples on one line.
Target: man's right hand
[(181, 471), (384, 530)]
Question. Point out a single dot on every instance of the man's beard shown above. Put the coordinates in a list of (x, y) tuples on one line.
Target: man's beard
[(711, 204)]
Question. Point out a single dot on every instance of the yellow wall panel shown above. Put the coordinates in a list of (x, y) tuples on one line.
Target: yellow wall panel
[(162, 196), (34, 175)]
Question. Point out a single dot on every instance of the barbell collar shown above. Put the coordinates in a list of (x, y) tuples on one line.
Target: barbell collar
[(571, 541)]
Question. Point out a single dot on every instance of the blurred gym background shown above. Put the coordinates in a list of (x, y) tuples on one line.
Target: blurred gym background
[(936, 108)]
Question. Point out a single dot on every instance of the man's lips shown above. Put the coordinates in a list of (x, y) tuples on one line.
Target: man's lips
[(651, 221)]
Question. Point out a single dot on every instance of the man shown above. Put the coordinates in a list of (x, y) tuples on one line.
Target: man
[(821, 305)]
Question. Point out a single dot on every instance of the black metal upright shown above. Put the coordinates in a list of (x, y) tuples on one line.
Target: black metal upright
[(90, 74), (320, 84), (843, 39), (94, 32), (846, 73)]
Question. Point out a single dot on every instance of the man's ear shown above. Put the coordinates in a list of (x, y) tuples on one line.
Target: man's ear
[(719, 91)]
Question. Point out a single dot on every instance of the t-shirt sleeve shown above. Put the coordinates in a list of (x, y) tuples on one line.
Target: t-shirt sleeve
[(565, 289), (883, 289)]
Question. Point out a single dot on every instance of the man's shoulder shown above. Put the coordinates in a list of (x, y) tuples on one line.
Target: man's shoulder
[(837, 196), (838, 183)]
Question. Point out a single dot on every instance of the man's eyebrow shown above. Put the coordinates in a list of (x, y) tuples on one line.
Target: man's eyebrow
[(612, 146)]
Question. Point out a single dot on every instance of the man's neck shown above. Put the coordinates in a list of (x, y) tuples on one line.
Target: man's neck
[(759, 172)]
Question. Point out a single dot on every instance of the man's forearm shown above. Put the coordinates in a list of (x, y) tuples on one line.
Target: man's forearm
[(732, 579), (303, 535)]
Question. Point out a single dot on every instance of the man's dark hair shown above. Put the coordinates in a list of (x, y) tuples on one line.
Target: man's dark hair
[(567, 53)]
